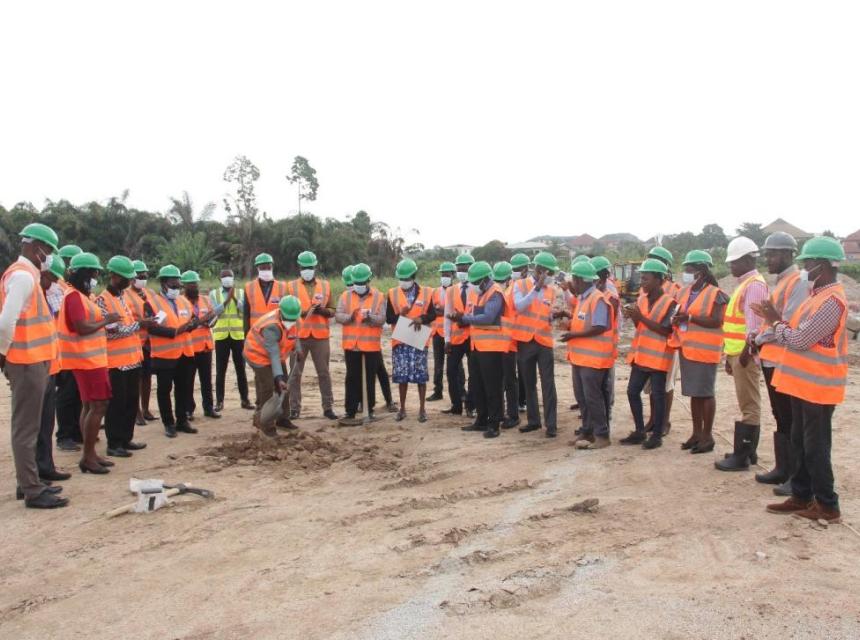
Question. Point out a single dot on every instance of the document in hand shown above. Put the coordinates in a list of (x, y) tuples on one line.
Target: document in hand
[(406, 334)]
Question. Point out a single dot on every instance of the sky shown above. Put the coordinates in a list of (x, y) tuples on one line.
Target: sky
[(467, 121)]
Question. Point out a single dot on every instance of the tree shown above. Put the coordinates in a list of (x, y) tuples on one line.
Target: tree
[(829, 233), (712, 236), (189, 250), (181, 211), (304, 176), (753, 231), (493, 251), (242, 209)]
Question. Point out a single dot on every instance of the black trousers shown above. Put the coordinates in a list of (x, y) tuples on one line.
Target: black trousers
[(122, 408), (438, 363), (173, 377), (811, 431), (384, 381), (459, 390), (353, 379), (224, 349), (486, 373), (68, 408), (201, 364), (780, 404), (44, 446), (512, 385)]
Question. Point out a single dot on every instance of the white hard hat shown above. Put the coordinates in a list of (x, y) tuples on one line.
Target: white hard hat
[(740, 247)]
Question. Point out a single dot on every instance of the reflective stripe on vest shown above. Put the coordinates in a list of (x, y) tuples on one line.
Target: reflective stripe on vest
[(358, 336), (77, 351), (596, 352), (485, 337), (734, 323), (698, 343), (201, 337), (171, 348), (454, 303), (536, 321), (313, 325), (125, 351), (399, 301), (137, 311), (508, 318), (255, 344), (649, 349), (257, 304), (779, 297), (820, 374), (35, 336), (229, 323), (439, 304)]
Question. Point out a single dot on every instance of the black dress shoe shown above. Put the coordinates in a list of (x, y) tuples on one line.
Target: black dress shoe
[(67, 444), (435, 397), (452, 411), (134, 446), (530, 427), (55, 476), (474, 427), (148, 416), (635, 437), (653, 442), (247, 404), (98, 469), (118, 452), (170, 430), (510, 423), (45, 500), (492, 432), (184, 427), (284, 423), (212, 414), (551, 433), (331, 415), (19, 495), (219, 406)]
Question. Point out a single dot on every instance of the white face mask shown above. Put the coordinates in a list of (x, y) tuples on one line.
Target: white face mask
[(172, 294), (516, 275), (805, 275), (227, 282), (445, 281), (266, 275), (47, 262), (462, 276), (406, 285), (307, 274), (688, 278), (140, 283), (289, 324), (93, 284), (360, 289)]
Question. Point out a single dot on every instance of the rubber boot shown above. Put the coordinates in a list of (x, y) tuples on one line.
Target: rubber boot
[(782, 453), (746, 439)]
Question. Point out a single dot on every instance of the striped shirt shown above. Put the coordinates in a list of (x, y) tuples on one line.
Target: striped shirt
[(756, 293), (819, 329)]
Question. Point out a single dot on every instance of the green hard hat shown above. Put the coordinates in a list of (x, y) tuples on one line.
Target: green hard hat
[(584, 269), (169, 271), (822, 247), (69, 251), (263, 258), (697, 256), (58, 266), (479, 270), (580, 258), (121, 266), (406, 269), (42, 233), (140, 267), (520, 260), (361, 273), (502, 271), (546, 260), (663, 253), (600, 263), (189, 277), (307, 259), (85, 261), (447, 266), (653, 265), (464, 258), (346, 274), (290, 307)]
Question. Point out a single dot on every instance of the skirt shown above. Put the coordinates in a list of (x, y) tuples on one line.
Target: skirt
[(698, 379), (409, 365), (93, 384)]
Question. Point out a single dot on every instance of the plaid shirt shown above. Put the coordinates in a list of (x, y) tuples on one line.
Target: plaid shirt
[(819, 329), (54, 296)]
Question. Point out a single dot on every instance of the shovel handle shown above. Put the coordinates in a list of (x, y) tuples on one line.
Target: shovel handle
[(113, 513)]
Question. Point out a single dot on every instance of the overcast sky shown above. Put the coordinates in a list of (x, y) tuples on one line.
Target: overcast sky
[(467, 120)]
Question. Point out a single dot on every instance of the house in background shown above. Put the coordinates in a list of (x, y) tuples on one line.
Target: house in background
[(460, 248), (781, 225), (529, 248), (615, 240), (851, 244), (581, 244)]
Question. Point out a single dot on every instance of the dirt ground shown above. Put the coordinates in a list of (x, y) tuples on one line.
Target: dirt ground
[(404, 530)]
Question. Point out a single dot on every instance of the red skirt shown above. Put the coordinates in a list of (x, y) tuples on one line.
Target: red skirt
[(93, 384)]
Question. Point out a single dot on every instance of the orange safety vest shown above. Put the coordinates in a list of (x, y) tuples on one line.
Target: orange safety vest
[(698, 343), (358, 336), (77, 351), (439, 304), (779, 297), (595, 352), (35, 337), (489, 337), (255, 344), (257, 305), (535, 323), (509, 316), (171, 348), (201, 337), (671, 288), (136, 302), (454, 303), (649, 349), (125, 351), (313, 325), (399, 302), (820, 374)]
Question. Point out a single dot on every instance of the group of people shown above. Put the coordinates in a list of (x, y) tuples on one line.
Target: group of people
[(84, 358)]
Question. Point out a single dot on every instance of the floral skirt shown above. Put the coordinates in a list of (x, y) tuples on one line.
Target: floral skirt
[(409, 364)]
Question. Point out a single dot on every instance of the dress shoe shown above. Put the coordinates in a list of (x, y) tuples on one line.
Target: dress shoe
[(475, 426), (583, 437), (67, 444), (635, 437), (170, 430), (703, 446), (792, 505), (284, 423), (434, 397), (331, 415), (452, 411), (510, 423), (105, 462), (551, 432), (184, 427), (247, 404), (653, 442), (97, 469), (55, 476), (819, 512), (45, 500), (19, 495), (118, 452), (492, 431), (134, 446), (219, 406), (599, 443), (530, 427), (212, 414), (140, 421)]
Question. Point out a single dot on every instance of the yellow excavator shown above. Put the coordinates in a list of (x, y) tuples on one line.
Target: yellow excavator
[(626, 275)]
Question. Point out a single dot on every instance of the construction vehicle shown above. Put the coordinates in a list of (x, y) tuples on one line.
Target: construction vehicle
[(626, 276)]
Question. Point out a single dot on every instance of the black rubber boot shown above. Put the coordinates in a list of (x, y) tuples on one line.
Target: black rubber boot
[(782, 453), (746, 440)]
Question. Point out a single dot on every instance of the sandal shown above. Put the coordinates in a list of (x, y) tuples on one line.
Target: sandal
[(400, 415), (422, 416)]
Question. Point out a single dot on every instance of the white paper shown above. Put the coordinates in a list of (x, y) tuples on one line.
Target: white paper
[(160, 316), (405, 333)]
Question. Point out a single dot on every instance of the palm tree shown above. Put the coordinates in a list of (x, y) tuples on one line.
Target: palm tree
[(181, 211)]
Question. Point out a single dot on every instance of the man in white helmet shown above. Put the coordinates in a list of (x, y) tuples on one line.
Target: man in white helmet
[(739, 323)]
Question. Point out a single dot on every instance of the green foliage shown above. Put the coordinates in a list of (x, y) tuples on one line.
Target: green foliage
[(712, 236), (753, 231), (492, 252), (304, 176), (190, 250)]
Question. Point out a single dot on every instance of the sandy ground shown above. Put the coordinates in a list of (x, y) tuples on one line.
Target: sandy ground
[(402, 530)]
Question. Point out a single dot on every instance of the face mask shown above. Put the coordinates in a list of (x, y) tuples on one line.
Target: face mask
[(462, 276), (484, 286), (93, 284), (516, 275), (360, 289), (266, 275), (47, 261), (289, 324), (805, 275), (227, 282), (445, 281), (172, 294), (406, 285), (307, 274), (688, 278), (140, 283)]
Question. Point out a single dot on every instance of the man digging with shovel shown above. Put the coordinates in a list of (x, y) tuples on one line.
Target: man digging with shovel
[(267, 347)]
